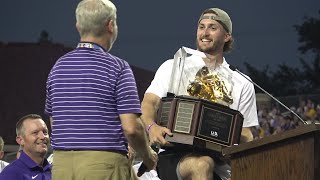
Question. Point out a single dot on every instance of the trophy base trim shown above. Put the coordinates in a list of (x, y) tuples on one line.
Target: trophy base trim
[(194, 141)]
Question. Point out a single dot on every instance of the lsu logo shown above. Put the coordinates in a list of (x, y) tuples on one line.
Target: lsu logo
[(214, 133)]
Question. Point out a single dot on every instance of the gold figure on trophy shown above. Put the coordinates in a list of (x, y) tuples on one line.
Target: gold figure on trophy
[(209, 86)]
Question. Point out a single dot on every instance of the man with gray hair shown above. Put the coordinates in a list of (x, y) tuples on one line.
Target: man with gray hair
[(93, 104), (3, 164)]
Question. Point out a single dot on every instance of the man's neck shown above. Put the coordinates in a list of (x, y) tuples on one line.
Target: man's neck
[(213, 59), (40, 162), (101, 41), (38, 159)]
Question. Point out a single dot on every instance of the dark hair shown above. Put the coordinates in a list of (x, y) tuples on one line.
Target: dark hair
[(19, 125), (228, 46)]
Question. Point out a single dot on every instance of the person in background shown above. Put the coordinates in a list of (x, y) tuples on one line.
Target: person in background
[(93, 103), (33, 137), (3, 164), (214, 37)]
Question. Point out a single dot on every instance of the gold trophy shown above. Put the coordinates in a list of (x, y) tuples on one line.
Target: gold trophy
[(209, 86), (197, 109)]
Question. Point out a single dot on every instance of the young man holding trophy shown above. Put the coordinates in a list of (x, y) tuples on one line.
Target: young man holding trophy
[(211, 79)]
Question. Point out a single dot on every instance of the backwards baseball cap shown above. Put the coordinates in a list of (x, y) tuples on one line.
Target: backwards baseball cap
[(220, 15)]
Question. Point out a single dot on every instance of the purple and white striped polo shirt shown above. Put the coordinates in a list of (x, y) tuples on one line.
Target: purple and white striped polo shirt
[(87, 89)]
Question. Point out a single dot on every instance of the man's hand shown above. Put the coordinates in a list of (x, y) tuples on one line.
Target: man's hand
[(150, 160), (157, 134), (150, 106), (246, 135)]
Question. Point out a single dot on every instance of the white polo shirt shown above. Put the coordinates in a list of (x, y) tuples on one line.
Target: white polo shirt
[(243, 94)]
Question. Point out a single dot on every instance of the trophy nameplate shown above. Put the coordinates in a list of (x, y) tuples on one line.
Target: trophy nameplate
[(200, 122)]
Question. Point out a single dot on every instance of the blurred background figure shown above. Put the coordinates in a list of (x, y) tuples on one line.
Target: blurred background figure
[(3, 164)]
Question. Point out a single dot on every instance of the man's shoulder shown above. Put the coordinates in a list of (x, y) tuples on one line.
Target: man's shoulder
[(117, 59), (241, 79), (70, 53), (12, 170), (16, 164), (15, 170), (167, 63)]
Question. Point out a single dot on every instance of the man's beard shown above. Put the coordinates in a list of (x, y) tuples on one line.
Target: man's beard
[(208, 49)]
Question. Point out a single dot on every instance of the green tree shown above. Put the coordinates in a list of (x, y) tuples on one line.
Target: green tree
[(261, 77), (309, 38), (291, 81), (284, 81), (311, 73), (288, 81), (309, 35)]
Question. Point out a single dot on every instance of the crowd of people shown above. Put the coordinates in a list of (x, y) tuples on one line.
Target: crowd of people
[(98, 122), (273, 120)]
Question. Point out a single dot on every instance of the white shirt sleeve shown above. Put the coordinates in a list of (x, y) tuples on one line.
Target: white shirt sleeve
[(160, 83), (247, 106)]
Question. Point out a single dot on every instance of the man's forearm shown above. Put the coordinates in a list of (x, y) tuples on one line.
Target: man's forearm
[(139, 141), (148, 114), (149, 106)]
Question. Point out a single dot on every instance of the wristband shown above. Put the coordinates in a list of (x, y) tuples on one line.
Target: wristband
[(148, 128)]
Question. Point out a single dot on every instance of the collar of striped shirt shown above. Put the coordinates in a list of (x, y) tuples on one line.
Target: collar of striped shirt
[(91, 46)]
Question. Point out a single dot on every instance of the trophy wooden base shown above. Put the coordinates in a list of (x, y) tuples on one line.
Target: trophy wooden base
[(200, 122), (194, 141)]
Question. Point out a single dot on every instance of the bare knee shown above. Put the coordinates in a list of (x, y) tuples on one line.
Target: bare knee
[(205, 162), (196, 167)]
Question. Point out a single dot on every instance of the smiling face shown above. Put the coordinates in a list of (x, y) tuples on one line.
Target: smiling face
[(34, 138), (211, 36)]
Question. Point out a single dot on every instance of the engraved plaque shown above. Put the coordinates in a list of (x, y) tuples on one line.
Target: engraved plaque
[(184, 117), (200, 122), (218, 130), (164, 117)]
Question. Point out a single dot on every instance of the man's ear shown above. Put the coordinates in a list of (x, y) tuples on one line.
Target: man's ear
[(20, 140), (227, 37), (77, 26), (110, 26)]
